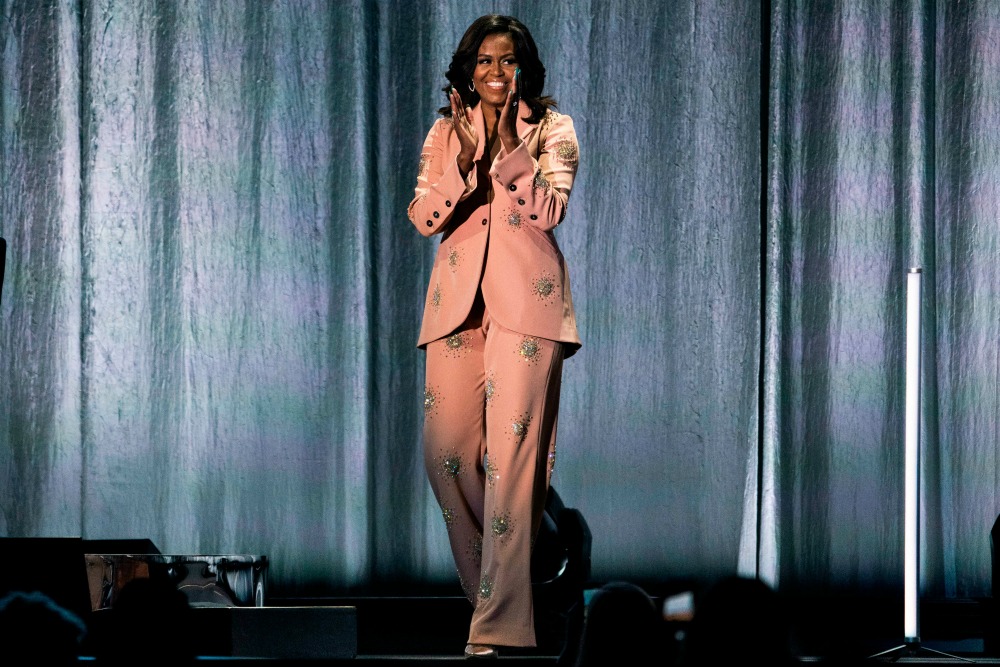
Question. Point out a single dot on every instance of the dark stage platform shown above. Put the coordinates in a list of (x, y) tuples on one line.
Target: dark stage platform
[(227, 617), (432, 630)]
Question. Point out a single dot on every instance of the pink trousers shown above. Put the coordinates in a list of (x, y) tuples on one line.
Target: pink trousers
[(490, 409)]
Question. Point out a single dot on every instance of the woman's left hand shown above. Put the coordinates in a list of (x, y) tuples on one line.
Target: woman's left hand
[(507, 127)]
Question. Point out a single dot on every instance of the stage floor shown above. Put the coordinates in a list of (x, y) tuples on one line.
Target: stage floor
[(432, 630)]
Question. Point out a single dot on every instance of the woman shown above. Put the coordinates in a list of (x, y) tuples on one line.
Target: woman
[(495, 177)]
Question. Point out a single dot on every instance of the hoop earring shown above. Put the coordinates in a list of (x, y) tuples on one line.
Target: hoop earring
[(472, 86)]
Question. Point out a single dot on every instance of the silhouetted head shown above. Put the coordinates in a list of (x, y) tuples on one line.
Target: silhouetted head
[(623, 627), (35, 630), (150, 619), (738, 619)]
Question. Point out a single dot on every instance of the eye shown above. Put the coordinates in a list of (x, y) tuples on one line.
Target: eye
[(510, 61)]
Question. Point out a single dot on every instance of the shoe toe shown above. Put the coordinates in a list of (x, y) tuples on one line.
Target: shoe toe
[(480, 651)]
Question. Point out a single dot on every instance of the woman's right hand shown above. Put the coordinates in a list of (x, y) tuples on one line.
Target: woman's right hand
[(468, 138)]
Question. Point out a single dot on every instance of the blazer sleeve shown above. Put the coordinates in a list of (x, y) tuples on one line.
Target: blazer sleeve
[(440, 185), (540, 188)]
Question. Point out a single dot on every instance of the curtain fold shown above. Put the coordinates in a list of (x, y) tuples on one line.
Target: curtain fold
[(40, 407), (882, 147), (966, 243), (850, 190), (228, 239)]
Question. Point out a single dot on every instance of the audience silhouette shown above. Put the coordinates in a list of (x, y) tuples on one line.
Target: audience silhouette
[(34, 630), (149, 623), (738, 620), (624, 627)]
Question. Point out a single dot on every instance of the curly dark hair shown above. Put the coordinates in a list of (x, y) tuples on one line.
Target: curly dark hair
[(463, 64)]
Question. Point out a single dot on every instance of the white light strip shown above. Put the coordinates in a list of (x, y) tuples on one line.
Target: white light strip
[(911, 540)]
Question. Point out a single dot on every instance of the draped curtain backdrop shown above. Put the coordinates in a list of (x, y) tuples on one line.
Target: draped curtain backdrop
[(213, 293)]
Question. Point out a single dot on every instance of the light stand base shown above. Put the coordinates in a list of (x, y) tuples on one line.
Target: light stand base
[(911, 648)]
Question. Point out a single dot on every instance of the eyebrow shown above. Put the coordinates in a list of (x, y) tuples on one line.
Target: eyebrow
[(490, 55)]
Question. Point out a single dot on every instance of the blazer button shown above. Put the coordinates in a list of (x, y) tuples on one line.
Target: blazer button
[(436, 214), (512, 187), (430, 224), (521, 202), (447, 202), (484, 221), (534, 217)]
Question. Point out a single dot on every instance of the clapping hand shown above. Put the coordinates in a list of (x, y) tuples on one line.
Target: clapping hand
[(468, 137), (507, 128)]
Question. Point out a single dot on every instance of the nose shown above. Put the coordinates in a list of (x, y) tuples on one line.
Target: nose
[(497, 68)]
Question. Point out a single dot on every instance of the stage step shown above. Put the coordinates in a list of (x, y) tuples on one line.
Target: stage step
[(431, 626), (318, 632)]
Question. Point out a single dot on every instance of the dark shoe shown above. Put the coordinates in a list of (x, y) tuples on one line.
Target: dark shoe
[(480, 651)]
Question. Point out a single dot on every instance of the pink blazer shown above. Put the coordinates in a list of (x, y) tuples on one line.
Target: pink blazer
[(497, 230)]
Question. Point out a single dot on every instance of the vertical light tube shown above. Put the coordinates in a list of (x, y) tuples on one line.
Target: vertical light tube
[(911, 539)]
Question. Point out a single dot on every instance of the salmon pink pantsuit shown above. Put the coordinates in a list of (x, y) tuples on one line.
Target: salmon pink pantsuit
[(498, 322)]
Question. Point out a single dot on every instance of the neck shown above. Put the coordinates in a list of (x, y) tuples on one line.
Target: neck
[(491, 118)]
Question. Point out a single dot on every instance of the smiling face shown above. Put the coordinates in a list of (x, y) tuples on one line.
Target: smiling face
[(495, 66)]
